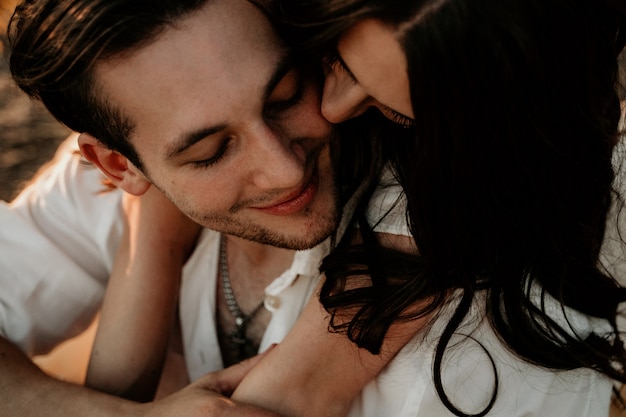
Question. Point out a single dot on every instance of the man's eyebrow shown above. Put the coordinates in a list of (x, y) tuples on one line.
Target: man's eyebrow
[(186, 140)]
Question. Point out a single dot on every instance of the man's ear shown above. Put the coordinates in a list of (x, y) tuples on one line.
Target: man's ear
[(122, 173)]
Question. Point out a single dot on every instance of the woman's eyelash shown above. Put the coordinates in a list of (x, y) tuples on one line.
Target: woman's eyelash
[(398, 118), (221, 152), (334, 61)]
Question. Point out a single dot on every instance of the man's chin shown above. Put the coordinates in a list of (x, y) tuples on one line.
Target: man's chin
[(304, 238), (302, 234), (292, 242)]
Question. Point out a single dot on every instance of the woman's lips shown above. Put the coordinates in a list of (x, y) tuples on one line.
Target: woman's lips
[(293, 203)]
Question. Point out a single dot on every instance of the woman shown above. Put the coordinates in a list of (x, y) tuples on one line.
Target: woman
[(508, 181), (508, 184)]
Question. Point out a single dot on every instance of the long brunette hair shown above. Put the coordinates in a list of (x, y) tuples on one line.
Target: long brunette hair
[(508, 176)]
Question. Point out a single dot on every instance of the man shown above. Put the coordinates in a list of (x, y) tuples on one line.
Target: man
[(241, 122), (240, 148)]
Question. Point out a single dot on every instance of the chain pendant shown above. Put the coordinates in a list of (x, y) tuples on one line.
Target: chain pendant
[(238, 337)]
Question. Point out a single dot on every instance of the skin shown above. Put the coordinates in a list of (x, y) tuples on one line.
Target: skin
[(274, 180), (257, 141), (313, 390), (371, 70), (27, 391), (318, 373), (245, 127), (129, 351)]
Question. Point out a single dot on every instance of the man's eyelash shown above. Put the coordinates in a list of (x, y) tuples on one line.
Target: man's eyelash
[(221, 152), (292, 101), (275, 109)]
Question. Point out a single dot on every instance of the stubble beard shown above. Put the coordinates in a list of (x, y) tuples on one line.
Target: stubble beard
[(319, 227), (325, 226), (319, 222)]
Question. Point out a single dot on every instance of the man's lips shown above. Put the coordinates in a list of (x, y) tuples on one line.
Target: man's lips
[(294, 202)]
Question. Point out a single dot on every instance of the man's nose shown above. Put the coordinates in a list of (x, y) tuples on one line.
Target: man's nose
[(278, 162), (343, 99)]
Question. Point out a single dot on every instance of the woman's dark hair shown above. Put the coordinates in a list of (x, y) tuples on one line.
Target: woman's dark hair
[(508, 176)]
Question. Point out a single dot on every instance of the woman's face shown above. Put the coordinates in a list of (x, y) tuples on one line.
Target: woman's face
[(369, 69)]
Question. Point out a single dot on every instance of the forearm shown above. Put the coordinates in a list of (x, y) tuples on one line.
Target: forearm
[(295, 378), (25, 391), (134, 330), (313, 372), (141, 300)]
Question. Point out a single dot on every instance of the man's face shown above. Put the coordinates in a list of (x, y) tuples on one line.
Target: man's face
[(227, 128)]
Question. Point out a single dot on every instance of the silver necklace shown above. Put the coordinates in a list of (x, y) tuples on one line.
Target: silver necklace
[(238, 337)]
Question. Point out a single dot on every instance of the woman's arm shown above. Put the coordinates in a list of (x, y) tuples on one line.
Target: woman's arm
[(314, 372), (139, 308)]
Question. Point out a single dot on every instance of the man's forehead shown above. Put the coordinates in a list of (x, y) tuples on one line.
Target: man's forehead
[(223, 26), (199, 73)]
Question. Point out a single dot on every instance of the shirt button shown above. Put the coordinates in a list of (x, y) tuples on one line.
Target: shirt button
[(272, 301)]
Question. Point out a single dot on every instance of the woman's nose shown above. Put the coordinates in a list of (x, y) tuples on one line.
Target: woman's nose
[(343, 98)]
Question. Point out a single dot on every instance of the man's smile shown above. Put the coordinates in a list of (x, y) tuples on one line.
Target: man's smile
[(293, 202)]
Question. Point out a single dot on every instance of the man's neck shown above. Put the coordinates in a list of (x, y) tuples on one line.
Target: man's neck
[(251, 267), (259, 255)]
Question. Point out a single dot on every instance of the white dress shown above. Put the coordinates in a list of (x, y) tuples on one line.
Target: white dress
[(406, 388)]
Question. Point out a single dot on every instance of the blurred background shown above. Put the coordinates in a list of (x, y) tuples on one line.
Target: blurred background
[(29, 137), (28, 134)]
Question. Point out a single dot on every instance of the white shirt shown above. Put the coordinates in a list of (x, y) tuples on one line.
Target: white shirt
[(59, 239), (285, 298), (58, 244)]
